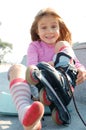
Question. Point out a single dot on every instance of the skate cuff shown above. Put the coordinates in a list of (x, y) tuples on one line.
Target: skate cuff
[(17, 81)]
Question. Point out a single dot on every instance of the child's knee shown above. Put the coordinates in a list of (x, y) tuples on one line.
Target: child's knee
[(16, 71), (60, 45), (29, 75)]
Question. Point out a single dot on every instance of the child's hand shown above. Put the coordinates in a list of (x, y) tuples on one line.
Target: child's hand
[(81, 77)]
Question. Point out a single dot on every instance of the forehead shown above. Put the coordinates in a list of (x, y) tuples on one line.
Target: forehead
[(48, 19)]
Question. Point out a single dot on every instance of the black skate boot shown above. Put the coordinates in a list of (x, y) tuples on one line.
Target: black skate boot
[(66, 64), (54, 88)]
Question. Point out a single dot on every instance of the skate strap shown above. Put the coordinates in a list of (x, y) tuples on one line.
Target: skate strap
[(17, 81), (63, 57), (63, 60), (62, 64)]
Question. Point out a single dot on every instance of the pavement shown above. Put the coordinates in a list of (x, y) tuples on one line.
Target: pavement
[(12, 123)]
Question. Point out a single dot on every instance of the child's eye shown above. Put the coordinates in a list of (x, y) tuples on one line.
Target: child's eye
[(54, 26), (44, 27)]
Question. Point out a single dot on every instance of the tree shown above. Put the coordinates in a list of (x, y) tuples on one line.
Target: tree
[(5, 48)]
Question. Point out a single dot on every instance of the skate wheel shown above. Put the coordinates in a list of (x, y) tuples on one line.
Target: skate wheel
[(55, 117), (43, 97), (29, 75)]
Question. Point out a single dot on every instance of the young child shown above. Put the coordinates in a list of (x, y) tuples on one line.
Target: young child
[(47, 29), (49, 32)]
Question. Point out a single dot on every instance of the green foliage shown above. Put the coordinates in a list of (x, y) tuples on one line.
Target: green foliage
[(4, 45), (5, 48)]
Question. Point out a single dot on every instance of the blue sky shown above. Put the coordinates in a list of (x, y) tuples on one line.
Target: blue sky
[(16, 17)]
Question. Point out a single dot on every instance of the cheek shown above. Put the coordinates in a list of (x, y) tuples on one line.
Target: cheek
[(41, 33), (58, 32)]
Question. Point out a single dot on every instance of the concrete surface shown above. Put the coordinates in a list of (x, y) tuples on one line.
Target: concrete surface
[(12, 122)]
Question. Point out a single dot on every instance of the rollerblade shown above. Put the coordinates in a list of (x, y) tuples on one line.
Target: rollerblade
[(54, 88), (66, 64)]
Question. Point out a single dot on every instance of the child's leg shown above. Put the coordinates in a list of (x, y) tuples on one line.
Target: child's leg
[(29, 113), (64, 50), (63, 46)]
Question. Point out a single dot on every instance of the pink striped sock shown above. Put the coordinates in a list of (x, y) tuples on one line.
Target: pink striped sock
[(28, 112)]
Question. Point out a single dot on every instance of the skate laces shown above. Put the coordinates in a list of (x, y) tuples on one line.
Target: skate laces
[(66, 64)]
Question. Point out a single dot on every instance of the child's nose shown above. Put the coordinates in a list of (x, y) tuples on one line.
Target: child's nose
[(50, 30)]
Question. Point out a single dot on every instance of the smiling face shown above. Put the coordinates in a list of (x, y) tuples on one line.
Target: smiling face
[(48, 29)]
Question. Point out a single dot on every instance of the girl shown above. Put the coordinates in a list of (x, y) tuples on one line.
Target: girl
[(47, 30)]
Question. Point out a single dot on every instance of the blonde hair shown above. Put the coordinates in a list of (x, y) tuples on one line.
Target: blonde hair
[(65, 34)]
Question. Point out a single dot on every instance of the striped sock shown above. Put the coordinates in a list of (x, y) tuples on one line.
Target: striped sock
[(29, 113)]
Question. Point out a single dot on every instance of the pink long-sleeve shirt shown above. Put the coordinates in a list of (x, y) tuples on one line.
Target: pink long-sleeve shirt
[(39, 51)]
